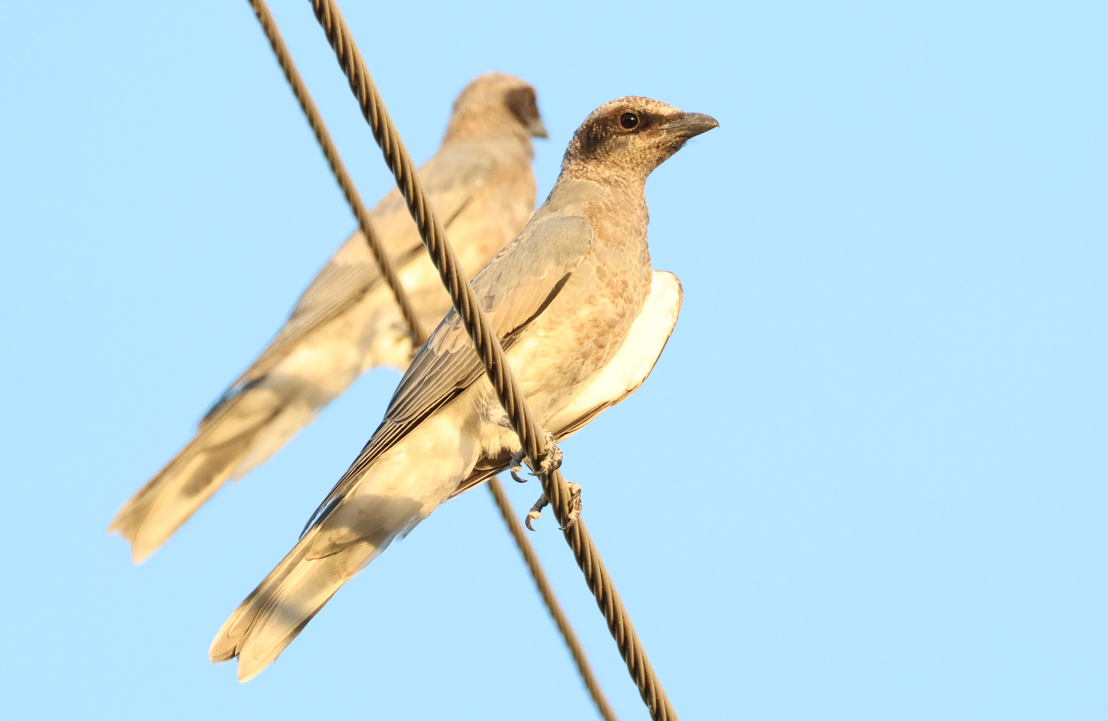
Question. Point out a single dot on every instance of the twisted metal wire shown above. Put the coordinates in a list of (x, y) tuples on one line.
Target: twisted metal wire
[(547, 593), (492, 356), (315, 120), (346, 183)]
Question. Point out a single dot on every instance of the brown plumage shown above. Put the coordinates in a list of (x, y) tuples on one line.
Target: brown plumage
[(346, 322), (582, 319)]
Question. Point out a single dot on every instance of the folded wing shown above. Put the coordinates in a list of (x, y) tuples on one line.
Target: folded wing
[(620, 378), (513, 289), (452, 178)]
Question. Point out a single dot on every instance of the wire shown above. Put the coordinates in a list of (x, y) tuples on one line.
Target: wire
[(532, 438), (315, 120)]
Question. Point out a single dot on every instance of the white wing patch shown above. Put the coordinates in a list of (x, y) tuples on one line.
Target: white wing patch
[(632, 363), (619, 379)]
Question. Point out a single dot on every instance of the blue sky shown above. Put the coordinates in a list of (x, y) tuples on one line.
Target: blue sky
[(865, 481)]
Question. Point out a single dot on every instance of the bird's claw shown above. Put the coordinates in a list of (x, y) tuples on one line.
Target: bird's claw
[(551, 460), (574, 508), (536, 511), (516, 466)]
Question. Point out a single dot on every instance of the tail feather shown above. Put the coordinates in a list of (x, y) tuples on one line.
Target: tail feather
[(160, 507), (224, 440), (400, 488), (240, 434), (283, 604)]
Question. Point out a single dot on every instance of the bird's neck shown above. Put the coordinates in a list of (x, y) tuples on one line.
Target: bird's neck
[(625, 178), (614, 185), (616, 208), (467, 128)]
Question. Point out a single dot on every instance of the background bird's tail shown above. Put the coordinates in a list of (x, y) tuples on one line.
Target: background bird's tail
[(227, 444), (279, 608)]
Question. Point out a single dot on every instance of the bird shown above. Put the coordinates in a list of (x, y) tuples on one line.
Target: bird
[(569, 298), (346, 321)]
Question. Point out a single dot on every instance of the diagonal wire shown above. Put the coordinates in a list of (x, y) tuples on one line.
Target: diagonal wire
[(346, 183), (531, 436), (315, 120), (547, 593)]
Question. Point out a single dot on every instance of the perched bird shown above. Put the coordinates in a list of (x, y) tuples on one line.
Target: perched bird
[(582, 319), (347, 321)]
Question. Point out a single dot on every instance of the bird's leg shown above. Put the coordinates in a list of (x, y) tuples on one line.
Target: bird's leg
[(574, 507)]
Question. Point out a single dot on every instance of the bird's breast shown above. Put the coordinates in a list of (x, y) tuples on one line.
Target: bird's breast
[(580, 332)]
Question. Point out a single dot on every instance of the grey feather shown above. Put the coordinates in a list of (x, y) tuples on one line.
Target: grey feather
[(565, 298), (346, 321), (515, 287), (452, 176)]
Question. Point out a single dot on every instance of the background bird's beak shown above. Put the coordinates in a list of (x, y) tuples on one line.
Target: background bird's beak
[(537, 129), (691, 124)]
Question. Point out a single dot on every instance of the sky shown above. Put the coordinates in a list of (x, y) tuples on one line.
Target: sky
[(866, 479)]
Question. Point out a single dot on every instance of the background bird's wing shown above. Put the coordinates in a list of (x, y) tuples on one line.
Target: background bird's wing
[(514, 288), (452, 178)]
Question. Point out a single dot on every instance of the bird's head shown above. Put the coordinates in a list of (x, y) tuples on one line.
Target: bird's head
[(631, 137), (495, 104)]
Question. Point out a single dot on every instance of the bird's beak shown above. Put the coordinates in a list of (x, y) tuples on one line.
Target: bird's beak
[(690, 125), (537, 129)]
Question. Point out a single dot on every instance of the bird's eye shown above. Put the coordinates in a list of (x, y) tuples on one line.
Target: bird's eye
[(629, 120)]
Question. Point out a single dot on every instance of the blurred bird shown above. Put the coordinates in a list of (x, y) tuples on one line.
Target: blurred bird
[(582, 319), (347, 321)]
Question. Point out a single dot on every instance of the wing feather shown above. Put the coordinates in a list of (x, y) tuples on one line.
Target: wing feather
[(452, 178), (513, 289), (622, 376)]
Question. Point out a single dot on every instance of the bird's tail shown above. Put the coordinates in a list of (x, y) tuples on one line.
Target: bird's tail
[(383, 501), (226, 445), (279, 608)]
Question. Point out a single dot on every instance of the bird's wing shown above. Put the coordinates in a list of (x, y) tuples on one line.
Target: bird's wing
[(514, 288), (623, 375), (452, 178)]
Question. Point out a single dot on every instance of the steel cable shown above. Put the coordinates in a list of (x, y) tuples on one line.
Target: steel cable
[(315, 120), (547, 593), (532, 439), (346, 183)]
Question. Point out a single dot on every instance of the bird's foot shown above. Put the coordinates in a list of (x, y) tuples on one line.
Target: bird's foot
[(574, 505), (551, 461), (574, 508)]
